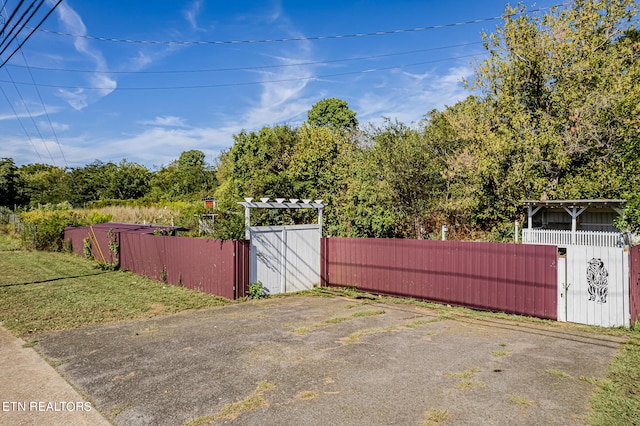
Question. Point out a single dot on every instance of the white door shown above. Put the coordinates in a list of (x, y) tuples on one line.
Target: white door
[(285, 258), (597, 286), (266, 255)]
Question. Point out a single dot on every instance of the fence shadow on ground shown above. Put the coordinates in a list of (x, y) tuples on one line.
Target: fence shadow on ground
[(56, 279)]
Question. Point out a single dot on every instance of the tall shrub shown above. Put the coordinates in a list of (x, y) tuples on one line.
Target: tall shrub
[(43, 229)]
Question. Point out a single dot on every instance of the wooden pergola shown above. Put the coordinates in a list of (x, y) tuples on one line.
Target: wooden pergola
[(280, 203)]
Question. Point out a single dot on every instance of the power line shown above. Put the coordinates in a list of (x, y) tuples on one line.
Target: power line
[(8, 22), (258, 67), (13, 34), (21, 125), (250, 83), (13, 27), (31, 33), (33, 121), (280, 40), (44, 108)]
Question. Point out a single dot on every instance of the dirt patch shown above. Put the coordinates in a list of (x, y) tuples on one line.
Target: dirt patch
[(402, 365)]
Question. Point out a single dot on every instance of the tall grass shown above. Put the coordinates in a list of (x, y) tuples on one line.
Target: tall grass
[(141, 214), (9, 240)]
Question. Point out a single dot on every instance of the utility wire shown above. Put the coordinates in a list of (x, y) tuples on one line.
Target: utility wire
[(44, 108), (8, 22), (33, 121), (258, 67), (10, 37), (21, 124), (13, 27), (250, 83), (31, 33), (279, 40)]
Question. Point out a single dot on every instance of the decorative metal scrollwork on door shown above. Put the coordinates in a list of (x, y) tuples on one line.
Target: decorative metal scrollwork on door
[(597, 280)]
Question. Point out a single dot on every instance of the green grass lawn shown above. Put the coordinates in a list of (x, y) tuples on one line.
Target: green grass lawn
[(617, 399), (42, 291)]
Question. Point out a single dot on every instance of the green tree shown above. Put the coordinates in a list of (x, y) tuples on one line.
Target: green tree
[(408, 162), (43, 184), (127, 181), (333, 113), (8, 182), (364, 205), (187, 177), (255, 166), (554, 102), (89, 183), (318, 168)]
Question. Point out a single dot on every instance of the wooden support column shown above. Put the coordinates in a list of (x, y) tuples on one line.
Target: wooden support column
[(531, 212), (574, 213), (247, 223)]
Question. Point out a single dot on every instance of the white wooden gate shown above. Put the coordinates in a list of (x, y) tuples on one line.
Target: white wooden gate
[(285, 258), (593, 286)]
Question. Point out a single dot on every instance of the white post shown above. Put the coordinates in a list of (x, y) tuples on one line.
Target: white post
[(516, 234), (574, 224), (247, 223), (531, 213), (444, 232), (574, 213), (283, 260)]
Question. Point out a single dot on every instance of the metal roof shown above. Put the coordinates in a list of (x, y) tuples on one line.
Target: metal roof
[(596, 203), (134, 228)]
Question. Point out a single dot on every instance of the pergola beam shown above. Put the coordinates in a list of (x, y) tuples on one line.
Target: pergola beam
[(280, 203)]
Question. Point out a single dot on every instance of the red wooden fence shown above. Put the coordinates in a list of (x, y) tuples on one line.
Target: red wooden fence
[(212, 266), (518, 279)]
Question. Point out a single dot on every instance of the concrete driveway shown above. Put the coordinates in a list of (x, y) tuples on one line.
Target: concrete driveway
[(331, 360)]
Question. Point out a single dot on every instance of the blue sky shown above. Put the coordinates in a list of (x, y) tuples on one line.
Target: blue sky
[(69, 98)]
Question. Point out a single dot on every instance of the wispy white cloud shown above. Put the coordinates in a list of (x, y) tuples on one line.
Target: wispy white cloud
[(276, 12), (266, 13), (28, 111), (76, 98), (79, 98), (283, 97), (414, 95), (160, 146), (156, 146), (191, 13), (59, 127), (34, 150), (166, 121), (141, 61), (418, 77)]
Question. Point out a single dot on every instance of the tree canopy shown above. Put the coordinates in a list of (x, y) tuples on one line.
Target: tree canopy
[(332, 113)]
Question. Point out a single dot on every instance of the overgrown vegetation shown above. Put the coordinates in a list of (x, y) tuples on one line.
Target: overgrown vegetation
[(9, 240), (257, 290)]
